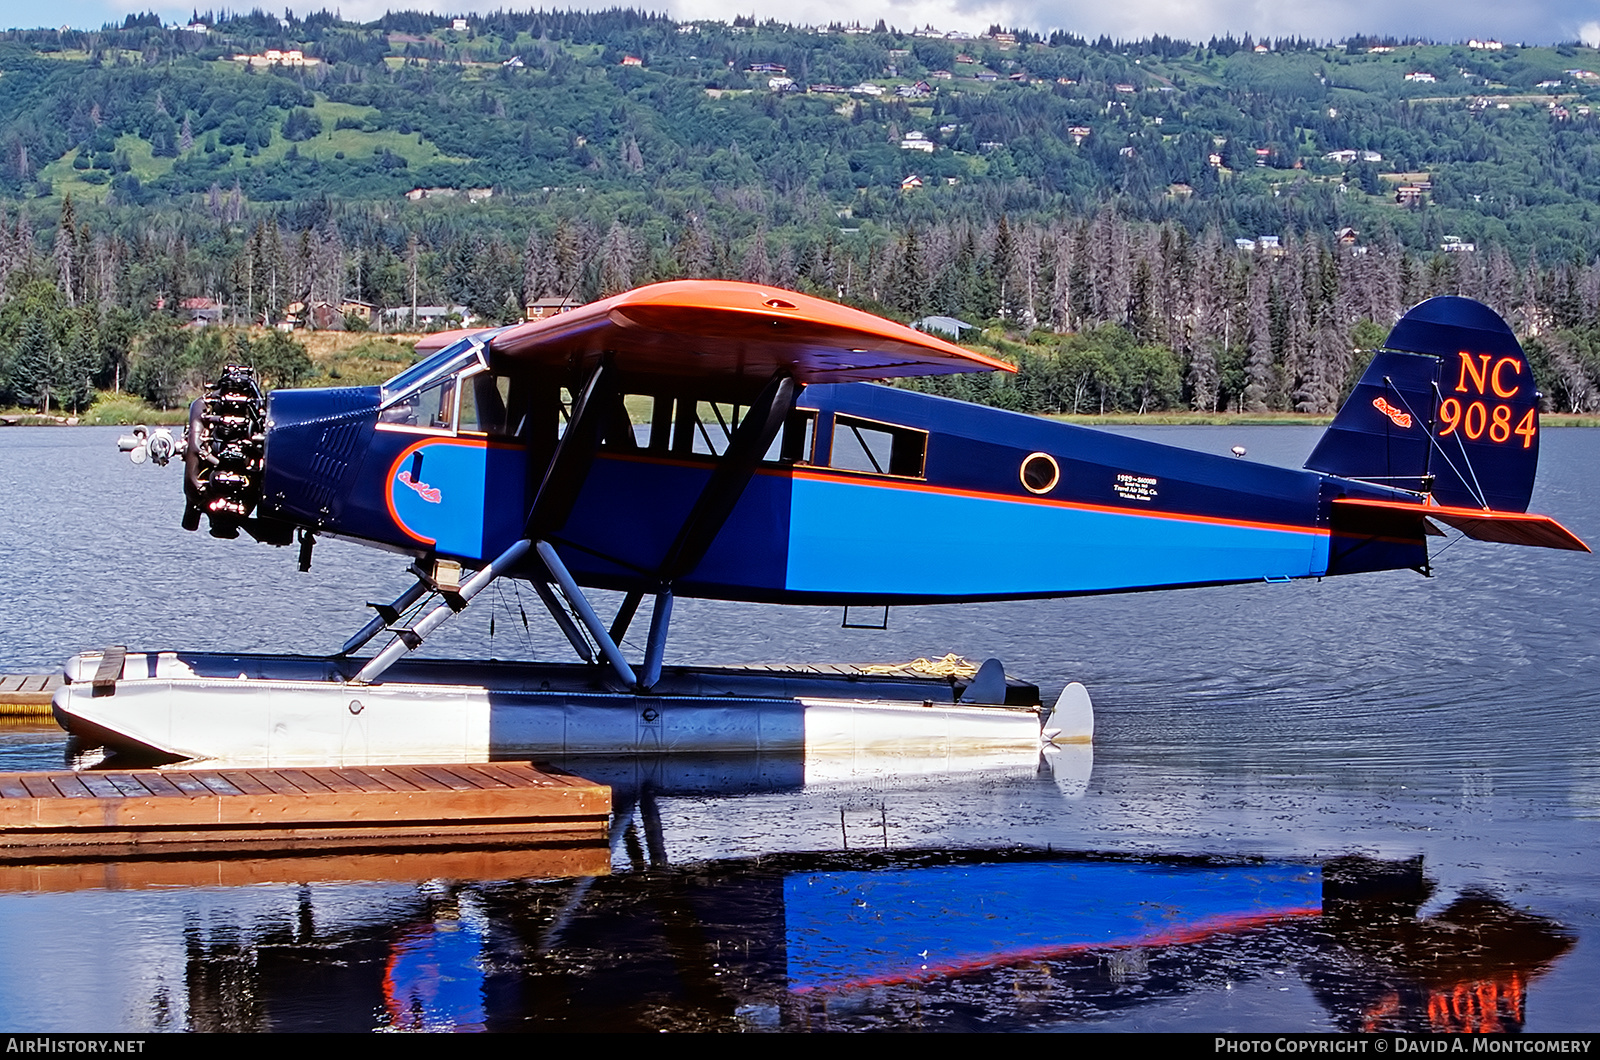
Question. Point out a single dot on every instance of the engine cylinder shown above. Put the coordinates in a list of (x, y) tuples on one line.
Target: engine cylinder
[(223, 458)]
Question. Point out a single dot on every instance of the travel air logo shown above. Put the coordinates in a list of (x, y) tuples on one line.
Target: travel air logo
[(1401, 418), (412, 478)]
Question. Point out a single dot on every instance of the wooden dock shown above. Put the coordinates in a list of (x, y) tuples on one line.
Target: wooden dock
[(152, 870), (27, 695), (221, 811)]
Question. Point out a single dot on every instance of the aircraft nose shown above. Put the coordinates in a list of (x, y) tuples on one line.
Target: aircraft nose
[(314, 439)]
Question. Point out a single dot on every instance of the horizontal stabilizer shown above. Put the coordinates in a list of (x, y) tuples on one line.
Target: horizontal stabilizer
[(1482, 524)]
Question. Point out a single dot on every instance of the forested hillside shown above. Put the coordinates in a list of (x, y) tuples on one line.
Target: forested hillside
[(1216, 224)]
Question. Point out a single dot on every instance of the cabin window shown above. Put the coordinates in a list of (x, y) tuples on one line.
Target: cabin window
[(629, 424), (684, 426), (484, 400), (704, 427), (798, 440), (429, 371), (878, 448)]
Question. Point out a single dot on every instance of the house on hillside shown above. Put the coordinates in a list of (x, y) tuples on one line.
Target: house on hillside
[(548, 306), (198, 312), (426, 317)]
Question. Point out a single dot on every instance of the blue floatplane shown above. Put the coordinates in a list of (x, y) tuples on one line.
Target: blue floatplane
[(730, 441)]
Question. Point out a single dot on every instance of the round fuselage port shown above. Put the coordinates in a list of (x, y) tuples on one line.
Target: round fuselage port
[(1040, 473)]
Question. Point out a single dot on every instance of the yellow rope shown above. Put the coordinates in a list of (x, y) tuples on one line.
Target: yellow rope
[(952, 665)]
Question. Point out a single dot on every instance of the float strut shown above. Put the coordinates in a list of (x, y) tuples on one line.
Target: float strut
[(386, 616), (656, 648), (433, 619), (564, 620), (586, 613)]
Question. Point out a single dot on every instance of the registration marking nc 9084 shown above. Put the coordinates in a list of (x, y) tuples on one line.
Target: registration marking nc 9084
[(1476, 417)]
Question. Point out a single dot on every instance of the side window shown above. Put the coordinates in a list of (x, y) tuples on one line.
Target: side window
[(878, 448), (436, 406), (484, 399), (794, 443), (433, 407)]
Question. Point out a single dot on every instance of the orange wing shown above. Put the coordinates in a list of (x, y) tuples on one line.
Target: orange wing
[(729, 329)]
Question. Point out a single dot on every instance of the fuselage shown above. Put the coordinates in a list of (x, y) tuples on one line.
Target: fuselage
[(871, 494)]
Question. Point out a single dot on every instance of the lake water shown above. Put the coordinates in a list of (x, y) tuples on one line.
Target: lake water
[(1270, 764)]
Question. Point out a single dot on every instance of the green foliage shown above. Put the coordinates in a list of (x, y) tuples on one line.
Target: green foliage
[(194, 176), (1103, 370), (438, 109), (36, 369), (163, 365), (280, 361), (301, 124)]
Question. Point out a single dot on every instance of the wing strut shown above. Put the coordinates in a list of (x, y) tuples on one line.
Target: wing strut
[(749, 443)]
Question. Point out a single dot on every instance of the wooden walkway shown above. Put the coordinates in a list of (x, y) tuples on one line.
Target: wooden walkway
[(209, 811), (27, 695)]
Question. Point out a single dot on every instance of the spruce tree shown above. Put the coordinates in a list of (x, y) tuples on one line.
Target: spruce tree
[(35, 368)]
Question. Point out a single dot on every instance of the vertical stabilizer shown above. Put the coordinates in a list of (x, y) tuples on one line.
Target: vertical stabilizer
[(1448, 407)]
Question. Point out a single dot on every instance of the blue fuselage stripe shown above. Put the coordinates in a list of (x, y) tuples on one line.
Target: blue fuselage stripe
[(859, 537)]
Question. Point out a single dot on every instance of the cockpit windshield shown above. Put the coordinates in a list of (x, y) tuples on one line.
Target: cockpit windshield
[(447, 362)]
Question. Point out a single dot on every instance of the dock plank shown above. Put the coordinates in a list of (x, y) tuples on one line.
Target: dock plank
[(244, 782), (70, 787), (393, 778), (215, 783), (448, 779), (99, 785), (274, 782), (304, 781), (94, 814), (482, 777), (361, 779), (159, 786), (38, 785), (331, 779), (126, 784), (187, 784)]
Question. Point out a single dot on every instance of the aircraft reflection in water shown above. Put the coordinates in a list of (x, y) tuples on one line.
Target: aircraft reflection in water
[(914, 940)]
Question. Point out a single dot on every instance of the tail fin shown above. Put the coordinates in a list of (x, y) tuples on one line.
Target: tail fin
[(1448, 408)]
